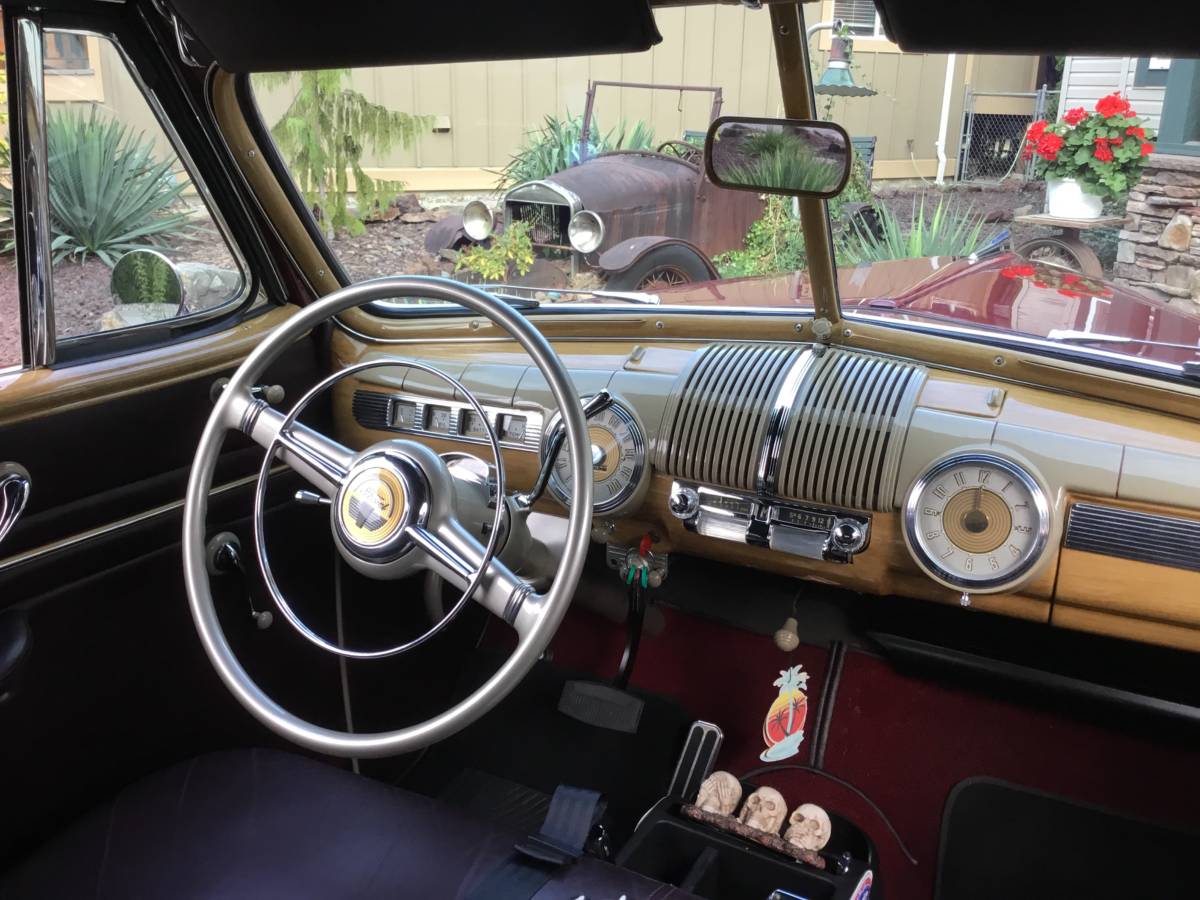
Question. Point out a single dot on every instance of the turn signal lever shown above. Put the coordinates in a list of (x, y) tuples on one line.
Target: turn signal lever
[(593, 405), (224, 555)]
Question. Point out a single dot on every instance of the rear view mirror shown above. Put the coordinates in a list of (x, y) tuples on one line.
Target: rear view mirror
[(779, 156)]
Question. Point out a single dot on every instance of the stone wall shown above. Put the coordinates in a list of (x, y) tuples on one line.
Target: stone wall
[(1159, 249)]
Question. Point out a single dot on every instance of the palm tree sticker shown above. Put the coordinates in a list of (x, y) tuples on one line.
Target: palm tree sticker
[(783, 728)]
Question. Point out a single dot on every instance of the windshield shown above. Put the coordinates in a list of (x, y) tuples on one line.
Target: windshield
[(1052, 197)]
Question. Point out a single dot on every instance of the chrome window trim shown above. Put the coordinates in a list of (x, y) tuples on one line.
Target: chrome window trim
[(211, 207), (32, 228), (83, 537)]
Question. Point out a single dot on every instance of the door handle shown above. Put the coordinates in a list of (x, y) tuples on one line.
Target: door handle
[(14, 494)]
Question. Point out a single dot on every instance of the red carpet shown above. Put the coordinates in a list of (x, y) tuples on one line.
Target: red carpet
[(903, 741)]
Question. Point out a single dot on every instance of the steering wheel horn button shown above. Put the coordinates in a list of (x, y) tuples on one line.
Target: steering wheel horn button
[(376, 504)]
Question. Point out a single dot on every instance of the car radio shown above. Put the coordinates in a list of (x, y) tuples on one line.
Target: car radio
[(811, 532)]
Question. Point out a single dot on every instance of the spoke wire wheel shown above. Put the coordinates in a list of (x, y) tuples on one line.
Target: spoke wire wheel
[(663, 276)]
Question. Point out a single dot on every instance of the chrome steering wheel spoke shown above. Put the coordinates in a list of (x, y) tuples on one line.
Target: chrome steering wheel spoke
[(454, 554)]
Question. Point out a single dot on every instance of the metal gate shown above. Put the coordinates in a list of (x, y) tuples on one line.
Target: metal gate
[(993, 132)]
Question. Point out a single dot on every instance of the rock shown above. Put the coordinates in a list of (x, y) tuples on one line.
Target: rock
[(1178, 233), (1025, 210), (1137, 237), (1168, 201), (1157, 252), (1179, 276), (407, 203), (1188, 191), (1137, 196), (1125, 252), (1194, 285), (416, 218), (1172, 163), (123, 315), (1149, 262)]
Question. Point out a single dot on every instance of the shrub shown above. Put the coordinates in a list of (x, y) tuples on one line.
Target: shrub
[(555, 146), (953, 229), (108, 194), (774, 243), (323, 135), (512, 248)]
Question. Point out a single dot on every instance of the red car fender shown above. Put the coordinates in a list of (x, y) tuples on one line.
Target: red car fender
[(620, 257)]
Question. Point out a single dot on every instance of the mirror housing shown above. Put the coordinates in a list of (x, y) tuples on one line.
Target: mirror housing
[(796, 157)]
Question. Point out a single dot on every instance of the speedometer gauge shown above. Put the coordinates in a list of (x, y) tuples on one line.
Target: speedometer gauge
[(618, 456), (977, 522)]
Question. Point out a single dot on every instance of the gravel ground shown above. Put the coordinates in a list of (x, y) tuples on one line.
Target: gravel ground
[(390, 248)]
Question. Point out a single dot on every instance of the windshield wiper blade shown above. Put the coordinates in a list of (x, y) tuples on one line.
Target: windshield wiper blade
[(1068, 336)]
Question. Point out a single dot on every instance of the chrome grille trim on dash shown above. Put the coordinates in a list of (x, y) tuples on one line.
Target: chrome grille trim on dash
[(719, 414), (1145, 537), (841, 446)]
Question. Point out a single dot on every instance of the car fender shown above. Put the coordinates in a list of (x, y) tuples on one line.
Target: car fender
[(621, 256), (445, 234)]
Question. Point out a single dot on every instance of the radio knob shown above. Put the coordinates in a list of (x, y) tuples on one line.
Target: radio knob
[(847, 535), (684, 502)]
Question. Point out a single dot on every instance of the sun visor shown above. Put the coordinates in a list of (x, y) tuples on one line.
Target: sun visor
[(1167, 28), (285, 35)]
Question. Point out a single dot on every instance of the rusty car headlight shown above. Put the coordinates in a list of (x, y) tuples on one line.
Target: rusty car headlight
[(477, 220), (586, 231)]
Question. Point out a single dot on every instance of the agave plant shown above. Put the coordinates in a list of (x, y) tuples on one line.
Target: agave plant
[(953, 229), (555, 146), (108, 194)]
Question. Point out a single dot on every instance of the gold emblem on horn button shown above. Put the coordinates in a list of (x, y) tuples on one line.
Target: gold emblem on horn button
[(372, 506)]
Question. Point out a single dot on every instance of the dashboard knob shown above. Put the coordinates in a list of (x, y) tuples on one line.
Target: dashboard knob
[(847, 535), (684, 502)]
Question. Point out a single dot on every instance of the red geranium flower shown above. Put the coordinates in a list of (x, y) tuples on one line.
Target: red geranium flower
[(1117, 141), (1075, 116), (1035, 131), (1147, 148), (1048, 145), (1020, 271), (1103, 150), (1136, 131), (1113, 105)]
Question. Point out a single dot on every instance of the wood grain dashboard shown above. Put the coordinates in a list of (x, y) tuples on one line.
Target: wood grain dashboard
[(1088, 451)]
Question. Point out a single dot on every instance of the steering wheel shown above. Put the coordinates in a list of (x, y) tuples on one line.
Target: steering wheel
[(685, 151), (392, 513)]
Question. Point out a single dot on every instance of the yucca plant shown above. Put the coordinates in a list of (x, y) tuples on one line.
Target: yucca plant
[(108, 194), (953, 229), (555, 146)]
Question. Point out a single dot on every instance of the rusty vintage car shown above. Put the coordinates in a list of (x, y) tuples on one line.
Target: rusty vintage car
[(638, 219)]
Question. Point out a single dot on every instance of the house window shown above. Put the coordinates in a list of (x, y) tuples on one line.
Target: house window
[(1151, 71), (66, 53), (860, 17)]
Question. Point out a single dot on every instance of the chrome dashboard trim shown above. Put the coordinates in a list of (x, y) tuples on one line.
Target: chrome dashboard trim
[(1130, 534), (534, 419), (781, 413)]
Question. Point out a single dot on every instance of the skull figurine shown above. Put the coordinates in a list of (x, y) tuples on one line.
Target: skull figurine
[(764, 810), (720, 793), (809, 827)]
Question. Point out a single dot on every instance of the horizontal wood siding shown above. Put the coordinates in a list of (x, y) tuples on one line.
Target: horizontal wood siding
[(1088, 78)]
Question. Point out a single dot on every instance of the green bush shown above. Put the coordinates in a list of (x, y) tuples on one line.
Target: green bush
[(511, 250), (555, 146), (953, 229), (774, 243), (775, 160), (108, 194)]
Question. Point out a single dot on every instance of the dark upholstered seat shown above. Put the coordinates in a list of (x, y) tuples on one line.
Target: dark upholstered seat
[(263, 824)]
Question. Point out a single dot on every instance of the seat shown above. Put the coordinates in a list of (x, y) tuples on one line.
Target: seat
[(266, 824)]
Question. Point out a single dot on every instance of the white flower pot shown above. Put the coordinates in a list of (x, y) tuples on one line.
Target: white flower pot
[(1066, 199)]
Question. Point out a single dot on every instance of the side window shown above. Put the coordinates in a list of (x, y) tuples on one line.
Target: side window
[(119, 185)]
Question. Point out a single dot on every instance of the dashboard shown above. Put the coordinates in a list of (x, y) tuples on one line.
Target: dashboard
[(876, 473)]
